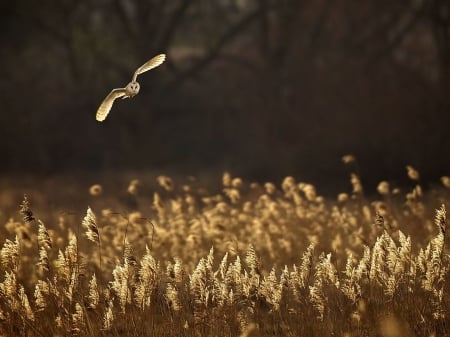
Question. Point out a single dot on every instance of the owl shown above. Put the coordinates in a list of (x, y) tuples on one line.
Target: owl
[(131, 90)]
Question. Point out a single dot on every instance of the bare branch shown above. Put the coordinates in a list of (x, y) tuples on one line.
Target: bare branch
[(213, 53), (173, 24), (396, 39), (127, 22)]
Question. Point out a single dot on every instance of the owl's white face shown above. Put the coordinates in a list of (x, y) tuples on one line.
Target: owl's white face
[(132, 89)]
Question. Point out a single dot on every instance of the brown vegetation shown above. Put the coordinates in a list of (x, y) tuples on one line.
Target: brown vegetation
[(252, 260)]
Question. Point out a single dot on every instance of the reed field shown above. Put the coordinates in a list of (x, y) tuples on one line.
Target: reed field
[(242, 259)]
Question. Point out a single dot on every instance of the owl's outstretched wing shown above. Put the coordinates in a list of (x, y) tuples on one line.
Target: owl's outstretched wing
[(152, 63), (107, 103)]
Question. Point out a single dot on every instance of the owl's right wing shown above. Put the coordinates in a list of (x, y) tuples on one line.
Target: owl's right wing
[(107, 103)]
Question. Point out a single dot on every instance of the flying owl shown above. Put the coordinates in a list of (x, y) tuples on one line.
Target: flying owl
[(132, 88)]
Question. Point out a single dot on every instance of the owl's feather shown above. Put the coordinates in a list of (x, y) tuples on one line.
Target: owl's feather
[(150, 64), (131, 89), (107, 103)]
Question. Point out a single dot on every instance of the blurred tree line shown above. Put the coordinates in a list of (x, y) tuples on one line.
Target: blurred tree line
[(262, 87)]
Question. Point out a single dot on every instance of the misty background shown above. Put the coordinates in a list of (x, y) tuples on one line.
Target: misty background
[(262, 88)]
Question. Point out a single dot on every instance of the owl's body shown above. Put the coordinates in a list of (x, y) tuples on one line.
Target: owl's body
[(131, 90)]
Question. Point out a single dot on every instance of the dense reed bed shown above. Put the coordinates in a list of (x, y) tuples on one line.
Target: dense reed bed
[(252, 260)]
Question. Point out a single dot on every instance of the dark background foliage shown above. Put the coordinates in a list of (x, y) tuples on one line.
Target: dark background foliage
[(263, 88)]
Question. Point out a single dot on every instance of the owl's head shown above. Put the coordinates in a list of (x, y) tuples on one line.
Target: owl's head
[(132, 89)]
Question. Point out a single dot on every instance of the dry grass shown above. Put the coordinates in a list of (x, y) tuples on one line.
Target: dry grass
[(253, 260)]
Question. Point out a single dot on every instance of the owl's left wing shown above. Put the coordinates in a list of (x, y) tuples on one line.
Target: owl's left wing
[(150, 64), (105, 107)]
